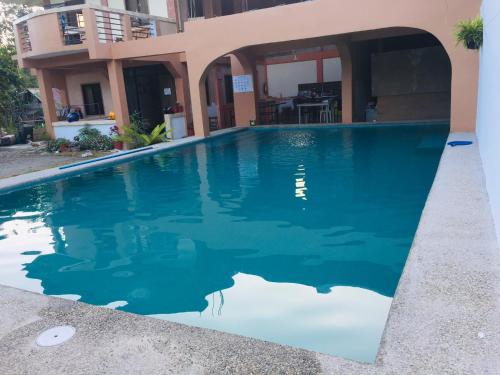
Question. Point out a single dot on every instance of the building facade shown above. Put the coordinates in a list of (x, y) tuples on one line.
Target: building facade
[(235, 62)]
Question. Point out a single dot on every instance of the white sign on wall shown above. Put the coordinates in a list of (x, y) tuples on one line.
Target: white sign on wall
[(243, 83)]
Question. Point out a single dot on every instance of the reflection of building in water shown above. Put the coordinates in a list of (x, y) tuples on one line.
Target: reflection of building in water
[(300, 182), (169, 231)]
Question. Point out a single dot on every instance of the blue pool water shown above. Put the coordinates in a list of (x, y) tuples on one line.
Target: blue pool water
[(293, 236)]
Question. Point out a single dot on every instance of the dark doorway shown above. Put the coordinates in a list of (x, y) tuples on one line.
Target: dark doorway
[(227, 7), (92, 99), (228, 85), (150, 89)]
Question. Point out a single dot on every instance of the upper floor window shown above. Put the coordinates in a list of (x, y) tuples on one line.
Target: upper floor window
[(57, 4), (140, 6), (195, 8)]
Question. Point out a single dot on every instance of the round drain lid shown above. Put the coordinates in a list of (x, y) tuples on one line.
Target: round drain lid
[(55, 336)]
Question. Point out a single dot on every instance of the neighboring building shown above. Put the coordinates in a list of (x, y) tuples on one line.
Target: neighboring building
[(230, 62)]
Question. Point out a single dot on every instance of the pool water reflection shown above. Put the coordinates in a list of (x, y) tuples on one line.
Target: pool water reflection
[(293, 236)]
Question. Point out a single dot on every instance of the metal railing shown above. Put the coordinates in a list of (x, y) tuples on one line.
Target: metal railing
[(143, 28), (72, 25), (109, 26)]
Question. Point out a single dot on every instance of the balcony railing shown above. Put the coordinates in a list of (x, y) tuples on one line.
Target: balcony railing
[(58, 28), (72, 26), (110, 27)]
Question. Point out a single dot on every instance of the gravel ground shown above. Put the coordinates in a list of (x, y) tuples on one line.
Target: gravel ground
[(20, 159)]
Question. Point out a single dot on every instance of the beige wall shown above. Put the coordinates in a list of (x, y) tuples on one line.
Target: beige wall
[(74, 82)]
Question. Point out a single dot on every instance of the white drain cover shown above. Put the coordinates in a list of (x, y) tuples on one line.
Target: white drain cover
[(55, 336)]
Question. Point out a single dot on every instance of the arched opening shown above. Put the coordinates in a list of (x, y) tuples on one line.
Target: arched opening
[(387, 75), (219, 95)]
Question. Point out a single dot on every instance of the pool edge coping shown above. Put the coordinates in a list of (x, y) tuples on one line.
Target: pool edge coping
[(10, 184)]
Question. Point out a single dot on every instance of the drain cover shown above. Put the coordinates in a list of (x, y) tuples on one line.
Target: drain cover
[(55, 336)]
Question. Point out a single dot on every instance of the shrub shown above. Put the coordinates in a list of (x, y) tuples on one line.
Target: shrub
[(131, 136), (470, 33), (55, 145), (92, 139)]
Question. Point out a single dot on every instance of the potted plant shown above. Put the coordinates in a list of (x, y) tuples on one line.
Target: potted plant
[(116, 137), (470, 33)]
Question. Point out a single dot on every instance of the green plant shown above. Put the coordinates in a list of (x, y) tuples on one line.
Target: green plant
[(157, 135), (130, 136), (92, 139), (470, 33), (55, 145)]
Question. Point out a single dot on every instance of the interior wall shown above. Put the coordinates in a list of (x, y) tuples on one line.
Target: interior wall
[(332, 70), (284, 79), (74, 82), (488, 116)]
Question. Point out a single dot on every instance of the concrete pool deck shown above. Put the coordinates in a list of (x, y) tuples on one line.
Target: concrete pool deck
[(445, 317)]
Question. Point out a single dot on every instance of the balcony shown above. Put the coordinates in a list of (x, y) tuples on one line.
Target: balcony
[(84, 28)]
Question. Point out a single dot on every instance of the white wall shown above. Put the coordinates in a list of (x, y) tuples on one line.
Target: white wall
[(488, 117), (332, 70), (158, 8), (283, 79), (116, 4)]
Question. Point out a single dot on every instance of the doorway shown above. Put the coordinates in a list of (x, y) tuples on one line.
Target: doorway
[(150, 90)]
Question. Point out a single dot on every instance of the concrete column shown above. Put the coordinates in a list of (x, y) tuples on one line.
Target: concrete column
[(178, 70), (197, 74), (464, 88), (215, 96), (347, 81), (48, 105), (245, 105), (91, 34), (118, 95), (199, 105), (127, 27)]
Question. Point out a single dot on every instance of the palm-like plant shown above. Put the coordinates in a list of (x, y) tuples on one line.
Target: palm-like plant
[(470, 33), (156, 136)]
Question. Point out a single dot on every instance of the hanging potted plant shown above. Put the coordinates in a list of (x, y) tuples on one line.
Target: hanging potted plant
[(470, 33)]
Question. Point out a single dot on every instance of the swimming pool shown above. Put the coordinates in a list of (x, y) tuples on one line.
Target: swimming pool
[(295, 236)]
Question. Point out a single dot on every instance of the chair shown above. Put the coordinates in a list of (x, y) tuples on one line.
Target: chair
[(326, 113)]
